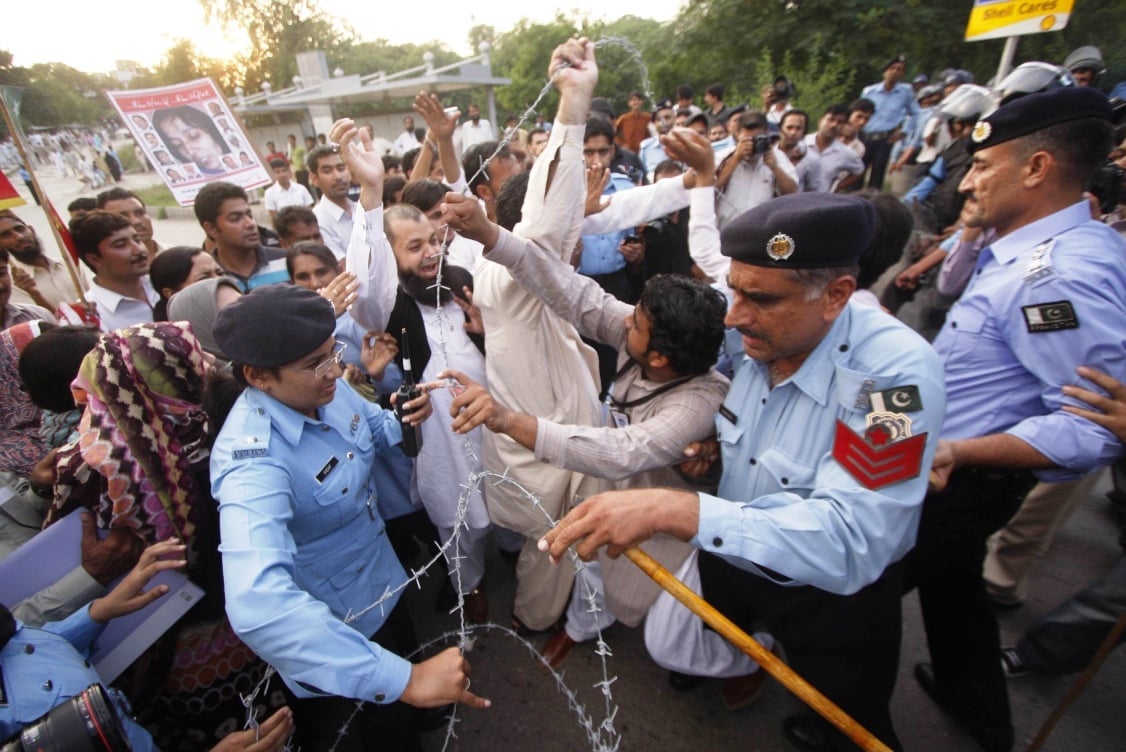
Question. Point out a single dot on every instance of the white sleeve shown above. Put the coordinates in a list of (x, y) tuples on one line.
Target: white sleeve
[(637, 206), (371, 259), (703, 234)]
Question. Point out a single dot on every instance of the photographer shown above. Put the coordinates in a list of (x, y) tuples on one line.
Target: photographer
[(42, 668), (752, 173)]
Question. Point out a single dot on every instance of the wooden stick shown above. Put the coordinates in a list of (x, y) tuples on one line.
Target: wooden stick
[(1081, 683), (17, 139), (770, 662)]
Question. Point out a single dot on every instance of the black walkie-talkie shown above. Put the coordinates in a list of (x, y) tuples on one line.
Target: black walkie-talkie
[(408, 390)]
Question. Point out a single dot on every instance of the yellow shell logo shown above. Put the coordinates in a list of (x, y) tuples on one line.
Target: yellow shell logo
[(1047, 22), (780, 247), (981, 131)]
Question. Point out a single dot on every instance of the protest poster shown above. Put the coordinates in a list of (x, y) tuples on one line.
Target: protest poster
[(190, 137)]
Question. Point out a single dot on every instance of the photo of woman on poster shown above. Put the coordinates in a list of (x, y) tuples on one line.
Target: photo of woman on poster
[(191, 136)]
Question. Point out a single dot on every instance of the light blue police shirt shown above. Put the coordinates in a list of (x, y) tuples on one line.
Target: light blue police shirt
[(784, 502), (302, 543), (1043, 300)]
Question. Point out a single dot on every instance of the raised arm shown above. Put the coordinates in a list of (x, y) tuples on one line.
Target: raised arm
[(369, 254)]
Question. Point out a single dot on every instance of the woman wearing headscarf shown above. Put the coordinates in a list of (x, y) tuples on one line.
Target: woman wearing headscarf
[(143, 450)]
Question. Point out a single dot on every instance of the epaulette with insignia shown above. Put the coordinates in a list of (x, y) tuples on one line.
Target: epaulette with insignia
[(1040, 267)]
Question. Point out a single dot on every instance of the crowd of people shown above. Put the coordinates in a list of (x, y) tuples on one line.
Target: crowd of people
[(704, 331)]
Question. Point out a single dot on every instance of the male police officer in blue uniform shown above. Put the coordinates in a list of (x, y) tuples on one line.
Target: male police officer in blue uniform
[(826, 436), (1048, 295)]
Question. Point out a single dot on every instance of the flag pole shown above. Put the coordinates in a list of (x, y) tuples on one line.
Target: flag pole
[(17, 137), (773, 665)]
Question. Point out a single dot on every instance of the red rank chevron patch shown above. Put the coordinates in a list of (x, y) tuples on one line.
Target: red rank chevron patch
[(878, 466)]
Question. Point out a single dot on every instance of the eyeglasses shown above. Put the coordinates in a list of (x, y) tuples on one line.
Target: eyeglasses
[(320, 370)]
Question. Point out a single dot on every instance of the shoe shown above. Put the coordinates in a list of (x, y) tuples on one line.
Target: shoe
[(476, 606), (1013, 664), (557, 649), (684, 682), (988, 738), (924, 675), (802, 732), (739, 692)]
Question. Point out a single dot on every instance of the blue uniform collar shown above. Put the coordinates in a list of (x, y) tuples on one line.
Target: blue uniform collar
[(288, 422), (1028, 237), (815, 376)]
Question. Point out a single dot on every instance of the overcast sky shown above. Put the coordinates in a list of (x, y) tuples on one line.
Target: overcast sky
[(92, 36)]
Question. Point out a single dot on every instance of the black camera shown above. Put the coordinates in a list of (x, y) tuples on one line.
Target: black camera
[(1106, 185), (761, 143), (86, 722)]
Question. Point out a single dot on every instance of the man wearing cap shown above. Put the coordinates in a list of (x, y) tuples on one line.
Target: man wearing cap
[(1048, 293), (826, 435), (305, 554), (895, 103), (651, 151), (1086, 65)]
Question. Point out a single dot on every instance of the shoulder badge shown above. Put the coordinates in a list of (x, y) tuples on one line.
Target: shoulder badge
[(875, 460), (780, 247), (1050, 317), (1040, 266), (900, 399)]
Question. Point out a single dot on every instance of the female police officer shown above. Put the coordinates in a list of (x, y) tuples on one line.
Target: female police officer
[(302, 544)]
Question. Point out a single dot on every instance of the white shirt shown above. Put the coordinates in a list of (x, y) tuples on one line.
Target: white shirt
[(115, 311), (837, 160), (335, 224), (476, 133), (277, 198), (405, 142), (751, 184)]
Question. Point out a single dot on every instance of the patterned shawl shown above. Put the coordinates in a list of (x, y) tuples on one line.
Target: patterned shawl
[(143, 430), (20, 443)]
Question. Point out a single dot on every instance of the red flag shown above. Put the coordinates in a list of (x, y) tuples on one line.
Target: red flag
[(878, 466), (8, 195), (61, 228)]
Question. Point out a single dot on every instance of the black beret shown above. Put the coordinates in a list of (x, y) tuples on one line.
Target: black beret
[(894, 60), (274, 325), (664, 104), (801, 231), (1034, 112)]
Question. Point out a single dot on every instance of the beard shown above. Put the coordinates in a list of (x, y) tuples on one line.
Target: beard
[(28, 255), (422, 290)]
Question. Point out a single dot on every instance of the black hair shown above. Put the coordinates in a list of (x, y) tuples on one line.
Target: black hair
[(310, 248), (115, 194), (391, 186), (684, 91), (1078, 146), (838, 109), (83, 204), (276, 163), (685, 321), (210, 199), (316, 155), (390, 161), (716, 90), (598, 127), (753, 119), (795, 113), (286, 218), (478, 156), (510, 200), (863, 104), (894, 223), (409, 158), (424, 194), (170, 268), (50, 362), (92, 228)]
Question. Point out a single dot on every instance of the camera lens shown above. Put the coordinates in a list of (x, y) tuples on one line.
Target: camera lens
[(86, 722)]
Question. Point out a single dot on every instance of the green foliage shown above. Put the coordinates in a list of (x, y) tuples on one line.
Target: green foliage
[(55, 94), (182, 62)]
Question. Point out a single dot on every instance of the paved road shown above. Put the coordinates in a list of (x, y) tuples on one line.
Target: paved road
[(529, 713)]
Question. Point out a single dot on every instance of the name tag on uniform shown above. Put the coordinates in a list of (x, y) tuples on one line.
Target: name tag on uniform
[(725, 411), (620, 419), (1050, 317), (326, 469)]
